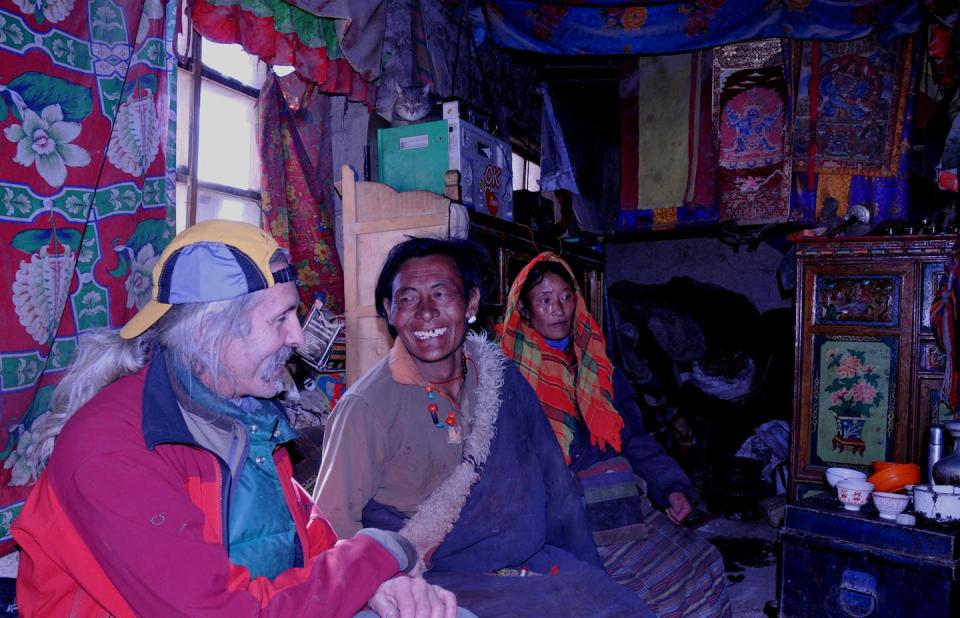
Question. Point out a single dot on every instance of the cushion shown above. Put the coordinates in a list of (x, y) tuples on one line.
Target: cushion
[(613, 502)]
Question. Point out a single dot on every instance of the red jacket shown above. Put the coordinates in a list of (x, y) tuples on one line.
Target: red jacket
[(127, 520)]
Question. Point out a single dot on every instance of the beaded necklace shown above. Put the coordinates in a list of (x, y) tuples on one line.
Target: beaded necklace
[(432, 390)]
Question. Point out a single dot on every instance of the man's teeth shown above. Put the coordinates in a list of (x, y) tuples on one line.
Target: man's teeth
[(429, 334)]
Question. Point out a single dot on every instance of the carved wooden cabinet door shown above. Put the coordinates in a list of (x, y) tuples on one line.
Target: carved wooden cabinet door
[(867, 371)]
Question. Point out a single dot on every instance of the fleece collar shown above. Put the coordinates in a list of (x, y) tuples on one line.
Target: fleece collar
[(436, 515)]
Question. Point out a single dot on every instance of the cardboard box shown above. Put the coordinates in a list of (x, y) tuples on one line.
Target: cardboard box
[(456, 109), (485, 164)]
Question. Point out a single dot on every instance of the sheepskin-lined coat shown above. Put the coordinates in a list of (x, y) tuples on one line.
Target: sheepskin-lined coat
[(509, 502)]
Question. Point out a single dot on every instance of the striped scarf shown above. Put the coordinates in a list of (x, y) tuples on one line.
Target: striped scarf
[(566, 391)]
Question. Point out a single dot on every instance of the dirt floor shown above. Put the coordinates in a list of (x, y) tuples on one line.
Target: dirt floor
[(750, 559)]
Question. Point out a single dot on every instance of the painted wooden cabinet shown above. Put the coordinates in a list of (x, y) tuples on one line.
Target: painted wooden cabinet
[(867, 371)]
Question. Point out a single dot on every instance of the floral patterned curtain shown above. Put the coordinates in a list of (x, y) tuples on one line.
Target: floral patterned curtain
[(297, 179), (280, 33), (668, 26), (87, 172)]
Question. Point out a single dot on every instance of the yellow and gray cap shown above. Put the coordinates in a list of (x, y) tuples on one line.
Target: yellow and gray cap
[(210, 261)]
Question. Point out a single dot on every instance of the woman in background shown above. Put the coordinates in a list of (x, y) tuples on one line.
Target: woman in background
[(560, 350)]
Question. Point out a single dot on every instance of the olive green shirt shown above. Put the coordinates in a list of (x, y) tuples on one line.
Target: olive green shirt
[(381, 443)]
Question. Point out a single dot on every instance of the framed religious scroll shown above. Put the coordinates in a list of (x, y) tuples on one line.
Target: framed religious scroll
[(867, 371)]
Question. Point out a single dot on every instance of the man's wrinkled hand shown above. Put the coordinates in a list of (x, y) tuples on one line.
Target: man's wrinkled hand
[(679, 507), (412, 597)]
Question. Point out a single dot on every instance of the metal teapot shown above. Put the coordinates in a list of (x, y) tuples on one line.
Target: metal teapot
[(947, 470)]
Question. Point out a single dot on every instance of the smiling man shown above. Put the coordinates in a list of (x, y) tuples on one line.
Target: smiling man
[(444, 441), (428, 290), (169, 491)]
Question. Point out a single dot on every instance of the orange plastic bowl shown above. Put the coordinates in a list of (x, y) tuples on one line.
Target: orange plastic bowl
[(895, 477), (880, 465)]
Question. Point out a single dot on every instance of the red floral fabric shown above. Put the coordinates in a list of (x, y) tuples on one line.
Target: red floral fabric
[(297, 185), (87, 168), (283, 34)]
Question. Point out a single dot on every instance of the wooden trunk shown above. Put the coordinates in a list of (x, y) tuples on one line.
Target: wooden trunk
[(838, 563)]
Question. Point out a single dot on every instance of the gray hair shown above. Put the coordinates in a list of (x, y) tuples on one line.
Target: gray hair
[(194, 333)]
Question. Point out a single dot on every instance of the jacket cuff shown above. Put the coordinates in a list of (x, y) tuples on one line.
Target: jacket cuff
[(398, 546), (660, 496)]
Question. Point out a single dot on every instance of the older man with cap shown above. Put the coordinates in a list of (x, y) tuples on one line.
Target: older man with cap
[(169, 491)]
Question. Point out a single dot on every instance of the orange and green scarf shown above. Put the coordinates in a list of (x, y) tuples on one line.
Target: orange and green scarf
[(565, 393)]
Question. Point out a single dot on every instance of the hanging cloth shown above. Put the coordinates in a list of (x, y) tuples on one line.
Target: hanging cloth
[(87, 174), (943, 319), (296, 184), (282, 33), (556, 171)]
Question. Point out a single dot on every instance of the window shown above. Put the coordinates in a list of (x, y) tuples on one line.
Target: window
[(218, 166), (526, 174)]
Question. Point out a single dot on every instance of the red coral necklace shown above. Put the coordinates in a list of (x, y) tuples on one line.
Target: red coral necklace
[(432, 391)]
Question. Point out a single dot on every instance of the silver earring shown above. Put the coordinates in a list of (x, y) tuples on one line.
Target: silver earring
[(471, 319)]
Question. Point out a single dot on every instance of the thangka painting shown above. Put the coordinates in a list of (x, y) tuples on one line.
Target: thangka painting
[(853, 402), (869, 300), (750, 105), (851, 105)]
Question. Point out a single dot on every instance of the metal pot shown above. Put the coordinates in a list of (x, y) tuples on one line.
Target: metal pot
[(947, 470), (937, 502)]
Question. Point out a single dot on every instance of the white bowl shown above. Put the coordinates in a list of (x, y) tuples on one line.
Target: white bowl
[(835, 475), (938, 502), (889, 505), (853, 493)]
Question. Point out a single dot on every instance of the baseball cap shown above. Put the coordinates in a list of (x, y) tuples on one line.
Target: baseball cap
[(210, 261)]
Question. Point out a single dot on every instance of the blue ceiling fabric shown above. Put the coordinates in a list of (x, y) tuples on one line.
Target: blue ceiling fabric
[(663, 26)]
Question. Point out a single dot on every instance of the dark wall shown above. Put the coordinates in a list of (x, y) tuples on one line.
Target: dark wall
[(588, 112), (751, 273), (586, 100)]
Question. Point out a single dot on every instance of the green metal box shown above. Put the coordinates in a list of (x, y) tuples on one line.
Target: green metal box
[(414, 156)]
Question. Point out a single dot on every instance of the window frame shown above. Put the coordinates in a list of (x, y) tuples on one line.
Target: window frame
[(525, 170), (192, 62)]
